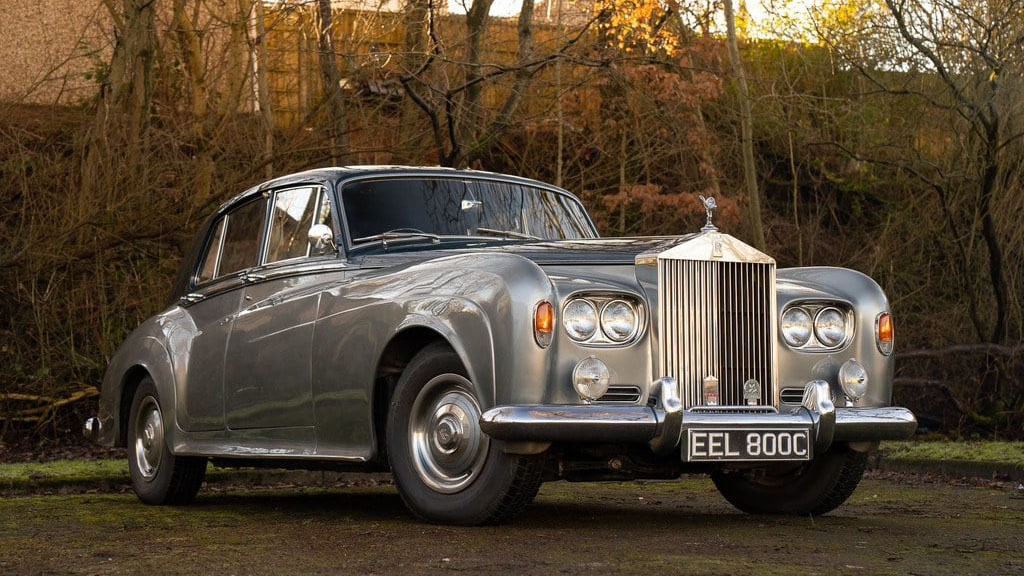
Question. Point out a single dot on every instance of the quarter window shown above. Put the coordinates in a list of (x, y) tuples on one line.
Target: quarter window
[(242, 237), (208, 271)]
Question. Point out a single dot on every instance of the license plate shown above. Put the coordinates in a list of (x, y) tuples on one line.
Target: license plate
[(747, 444)]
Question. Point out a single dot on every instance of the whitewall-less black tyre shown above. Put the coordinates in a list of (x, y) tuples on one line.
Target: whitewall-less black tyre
[(446, 469), (158, 476), (815, 488)]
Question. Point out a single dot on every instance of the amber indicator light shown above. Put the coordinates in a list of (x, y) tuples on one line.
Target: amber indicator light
[(544, 318), (885, 327)]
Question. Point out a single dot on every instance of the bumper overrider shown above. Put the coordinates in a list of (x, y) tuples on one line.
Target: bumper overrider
[(666, 426)]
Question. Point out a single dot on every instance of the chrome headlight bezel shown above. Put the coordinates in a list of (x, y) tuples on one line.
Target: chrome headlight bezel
[(611, 334), (808, 325), (820, 332), (569, 319)]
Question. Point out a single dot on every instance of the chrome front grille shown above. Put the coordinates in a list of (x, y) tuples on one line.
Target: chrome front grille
[(717, 318)]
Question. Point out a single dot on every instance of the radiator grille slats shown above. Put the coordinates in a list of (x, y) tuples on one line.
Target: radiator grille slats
[(717, 319)]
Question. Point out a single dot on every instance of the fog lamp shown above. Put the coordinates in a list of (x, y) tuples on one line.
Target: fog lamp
[(854, 379), (590, 378)]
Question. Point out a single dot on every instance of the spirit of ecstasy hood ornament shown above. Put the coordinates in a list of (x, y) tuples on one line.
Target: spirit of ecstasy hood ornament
[(709, 207)]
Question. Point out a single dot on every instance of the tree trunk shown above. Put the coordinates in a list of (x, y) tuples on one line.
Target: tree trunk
[(123, 110), (263, 92), (417, 15), (520, 83), (337, 124), (195, 76), (477, 18), (747, 129)]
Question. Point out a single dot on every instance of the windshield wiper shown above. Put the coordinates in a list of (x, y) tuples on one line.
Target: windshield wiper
[(507, 234), (385, 237)]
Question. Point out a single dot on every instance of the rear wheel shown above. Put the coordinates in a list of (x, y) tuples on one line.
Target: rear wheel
[(446, 469), (158, 476), (814, 488)]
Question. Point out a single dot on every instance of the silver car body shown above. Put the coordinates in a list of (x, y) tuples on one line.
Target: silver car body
[(288, 361)]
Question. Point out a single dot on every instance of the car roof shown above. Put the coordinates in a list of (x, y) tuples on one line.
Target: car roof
[(339, 174)]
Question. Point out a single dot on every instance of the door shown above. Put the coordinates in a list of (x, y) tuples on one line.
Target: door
[(268, 383), (212, 304)]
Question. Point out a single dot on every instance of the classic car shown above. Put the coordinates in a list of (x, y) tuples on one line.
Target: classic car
[(472, 334)]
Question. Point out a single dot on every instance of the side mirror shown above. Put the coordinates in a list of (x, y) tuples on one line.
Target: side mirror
[(321, 237)]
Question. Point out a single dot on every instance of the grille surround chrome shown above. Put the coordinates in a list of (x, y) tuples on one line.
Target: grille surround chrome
[(717, 316)]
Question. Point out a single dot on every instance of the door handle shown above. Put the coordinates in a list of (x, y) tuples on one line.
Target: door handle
[(191, 298), (250, 277)]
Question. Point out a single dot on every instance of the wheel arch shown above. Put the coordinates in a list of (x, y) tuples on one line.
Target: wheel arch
[(394, 357)]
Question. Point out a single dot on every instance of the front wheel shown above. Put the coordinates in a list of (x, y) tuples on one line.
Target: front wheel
[(814, 488), (158, 476), (445, 468)]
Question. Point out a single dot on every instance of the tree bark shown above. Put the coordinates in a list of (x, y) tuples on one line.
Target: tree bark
[(263, 92), (520, 83), (337, 124), (477, 18), (123, 110), (747, 129), (417, 15)]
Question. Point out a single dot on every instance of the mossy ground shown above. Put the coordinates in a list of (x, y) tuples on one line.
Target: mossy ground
[(1009, 453), (889, 526)]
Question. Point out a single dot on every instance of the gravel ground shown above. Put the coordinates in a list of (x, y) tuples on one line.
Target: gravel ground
[(894, 524)]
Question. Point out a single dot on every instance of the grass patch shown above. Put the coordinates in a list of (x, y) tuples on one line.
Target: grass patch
[(1004, 453), (70, 471)]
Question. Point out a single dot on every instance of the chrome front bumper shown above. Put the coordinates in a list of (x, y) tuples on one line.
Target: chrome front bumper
[(661, 424)]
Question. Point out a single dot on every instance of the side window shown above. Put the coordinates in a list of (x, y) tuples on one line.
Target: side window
[(208, 270), (242, 237), (295, 212)]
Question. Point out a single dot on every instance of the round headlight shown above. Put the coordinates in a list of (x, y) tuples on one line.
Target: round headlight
[(830, 327), (618, 320), (854, 379), (580, 319), (796, 327), (590, 378)]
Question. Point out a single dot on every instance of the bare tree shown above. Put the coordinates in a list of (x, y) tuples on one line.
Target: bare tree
[(334, 101), (746, 128)]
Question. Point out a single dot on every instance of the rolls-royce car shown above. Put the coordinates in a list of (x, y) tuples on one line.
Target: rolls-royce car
[(472, 334)]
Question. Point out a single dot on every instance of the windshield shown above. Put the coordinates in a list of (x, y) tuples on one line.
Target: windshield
[(377, 209)]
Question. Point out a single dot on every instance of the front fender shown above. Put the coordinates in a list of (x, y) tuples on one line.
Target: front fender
[(868, 300), (481, 304)]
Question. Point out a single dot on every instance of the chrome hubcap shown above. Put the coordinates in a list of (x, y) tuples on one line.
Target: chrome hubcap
[(149, 438), (448, 448)]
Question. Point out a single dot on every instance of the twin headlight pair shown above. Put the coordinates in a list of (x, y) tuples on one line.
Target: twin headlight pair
[(829, 326), (610, 319)]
